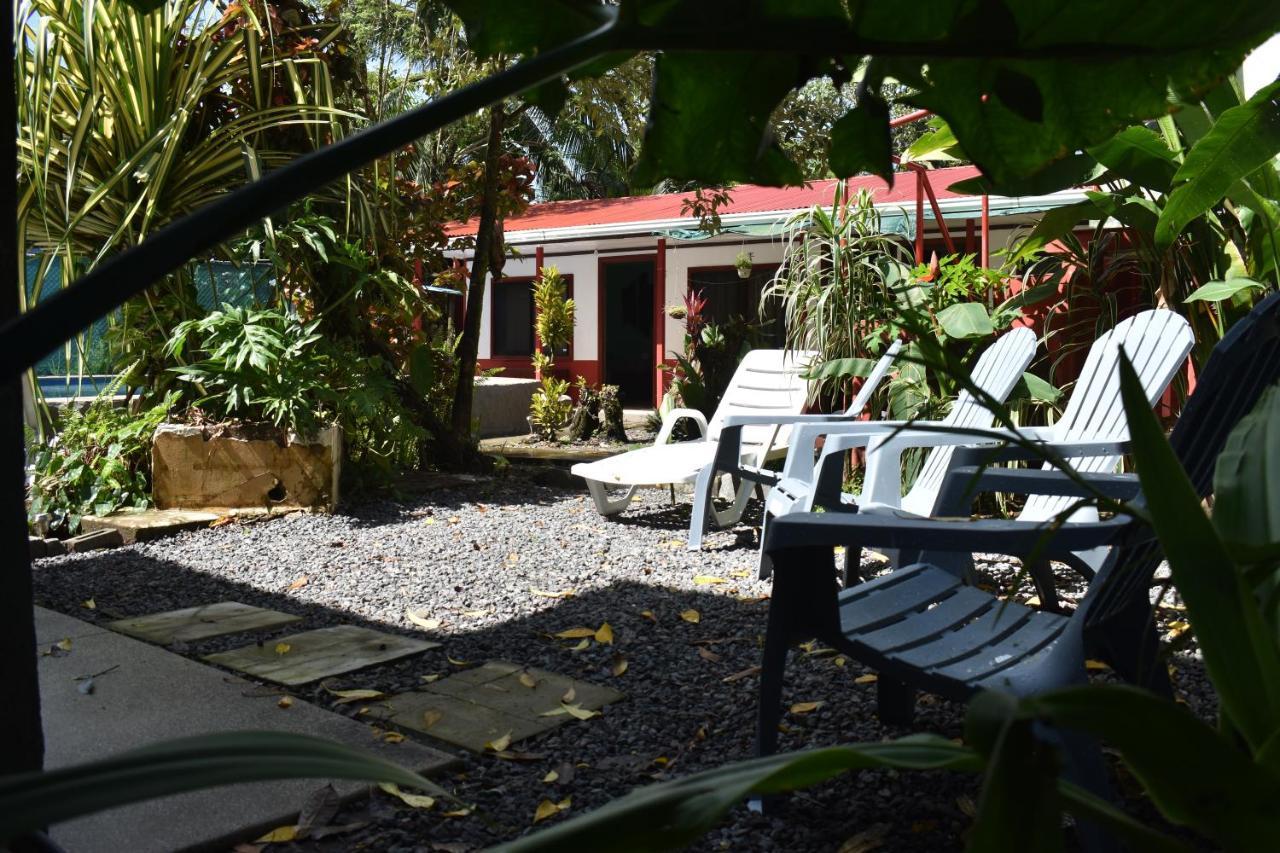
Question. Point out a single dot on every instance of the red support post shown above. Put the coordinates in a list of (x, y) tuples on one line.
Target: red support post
[(968, 237), (986, 231), (919, 215), (659, 318)]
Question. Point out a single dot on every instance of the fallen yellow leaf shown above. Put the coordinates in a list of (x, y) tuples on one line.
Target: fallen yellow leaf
[(457, 662), (869, 678), (431, 716), (569, 695), (1178, 628), (1096, 666), (64, 644), (283, 648), (89, 604), (430, 678), (430, 623), (575, 711), (740, 573), (604, 634), (528, 680), (707, 580), (564, 593), (575, 633), (453, 519), (393, 737), (279, 835), (805, 707), (648, 614), (840, 660), (619, 666), (418, 801), (285, 702), (551, 777), (300, 582), (671, 543), (474, 613), (499, 744), (456, 813), (345, 696), (582, 644), (691, 616), (547, 809)]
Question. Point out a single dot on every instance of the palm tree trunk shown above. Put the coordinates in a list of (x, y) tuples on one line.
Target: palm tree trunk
[(488, 245)]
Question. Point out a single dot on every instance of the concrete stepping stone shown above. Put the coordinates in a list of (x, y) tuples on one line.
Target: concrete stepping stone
[(478, 706), (201, 623), (142, 694), (145, 525), (313, 655)]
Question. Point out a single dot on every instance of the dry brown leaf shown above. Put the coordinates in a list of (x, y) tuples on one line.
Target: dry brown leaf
[(805, 707), (869, 678), (871, 838), (430, 623), (279, 835), (738, 676), (708, 655), (619, 666), (966, 805), (691, 616), (300, 582), (285, 702), (499, 744), (575, 633), (431, 716), (418, 801), (221, 520), (528, 680), (346, 696), (648, 614), (604, 634), (453, 519), (283, 648)]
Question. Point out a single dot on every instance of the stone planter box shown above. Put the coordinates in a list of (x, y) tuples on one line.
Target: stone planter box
[(501, 405), (197, 468)]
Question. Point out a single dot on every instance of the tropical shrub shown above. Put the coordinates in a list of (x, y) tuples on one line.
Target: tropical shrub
[(553, 324), (96, 461)]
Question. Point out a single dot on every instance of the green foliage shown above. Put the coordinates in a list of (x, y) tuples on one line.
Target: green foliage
[(555, 313), (97, 461), (550, 407), (32, 801), (257, 366)]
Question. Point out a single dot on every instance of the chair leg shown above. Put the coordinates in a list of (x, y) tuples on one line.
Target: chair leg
[(734, 513), (1083, 765), (769, 711), (1041, 571), (606, 505), (895, 701), (1131, 646), (703, 510)]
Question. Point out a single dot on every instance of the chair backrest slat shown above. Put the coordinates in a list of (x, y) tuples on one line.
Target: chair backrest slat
[(766, 382), (997, 370), (1157, 342)]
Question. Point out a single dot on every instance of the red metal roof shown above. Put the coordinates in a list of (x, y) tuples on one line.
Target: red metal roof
[(747, 198)]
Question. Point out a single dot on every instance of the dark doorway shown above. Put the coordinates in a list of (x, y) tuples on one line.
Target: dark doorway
[(627, 294)]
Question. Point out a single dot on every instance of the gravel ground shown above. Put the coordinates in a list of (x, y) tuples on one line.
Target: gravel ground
[(477, 558)]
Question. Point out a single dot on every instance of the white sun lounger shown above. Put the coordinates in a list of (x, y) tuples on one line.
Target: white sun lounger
[(767, 382)]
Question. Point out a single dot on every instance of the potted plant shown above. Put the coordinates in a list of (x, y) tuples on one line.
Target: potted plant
[(258, 429), (744, 262)]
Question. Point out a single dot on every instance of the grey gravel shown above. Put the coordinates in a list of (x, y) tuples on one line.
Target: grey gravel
[(473, 557)]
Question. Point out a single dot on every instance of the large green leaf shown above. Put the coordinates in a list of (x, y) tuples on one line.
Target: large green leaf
[(1240, 658), (1140, 156), (672, 814), (1243, 139), (1246, 484), (32, 801), (496, 27), (966, 320), (1053, 225), (1198, 777), (1032, 387), (860, 141), (1218, 291)]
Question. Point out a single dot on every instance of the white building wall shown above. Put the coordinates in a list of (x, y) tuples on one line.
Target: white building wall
[(681, 257)]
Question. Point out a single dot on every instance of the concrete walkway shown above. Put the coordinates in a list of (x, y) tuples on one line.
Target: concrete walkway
[(154, 695)]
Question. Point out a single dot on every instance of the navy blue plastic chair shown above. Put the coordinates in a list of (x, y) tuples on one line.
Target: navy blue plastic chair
[(924, 627)]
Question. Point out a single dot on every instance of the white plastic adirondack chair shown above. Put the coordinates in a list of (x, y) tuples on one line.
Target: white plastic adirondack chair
[(996, 372), (1092, 431), (766, 382), (728, 458)]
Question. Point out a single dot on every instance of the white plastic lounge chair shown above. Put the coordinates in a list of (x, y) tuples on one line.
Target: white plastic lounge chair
[(766, 382), (1092, 434), (704, 510)]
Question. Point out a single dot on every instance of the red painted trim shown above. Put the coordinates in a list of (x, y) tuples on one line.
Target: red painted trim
[(920, 216), (909, 117), (986, 231), (659, 317), (968, 237), (493, 315)]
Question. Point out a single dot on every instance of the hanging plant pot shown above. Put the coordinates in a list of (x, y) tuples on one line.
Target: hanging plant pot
[(744, 262)]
